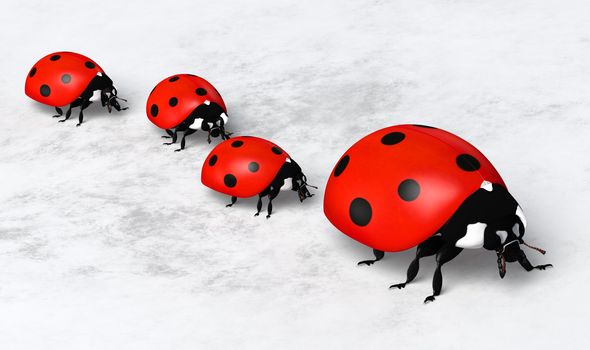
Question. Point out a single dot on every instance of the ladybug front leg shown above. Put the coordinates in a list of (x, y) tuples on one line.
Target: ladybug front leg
[(174, 137), (526, 264), (446, 254), (85, 105), (59, 112), (427, 248), (184, 135), (378, 256)]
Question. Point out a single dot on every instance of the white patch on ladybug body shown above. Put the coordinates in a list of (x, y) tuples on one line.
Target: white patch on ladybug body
[(288, 184), (207, 102), (473, 238), (486, 185), (520, 214), (99, 74), (196, 125), (95, 96), (224, 117), (503, 235), (288, 160)]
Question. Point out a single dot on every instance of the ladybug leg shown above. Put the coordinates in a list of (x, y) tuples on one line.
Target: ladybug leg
[(378, 256), (233, 201), (169, 132), (259, 205), (273, 194), (74, 104), (174, 137), (85, 105), (182, 142), (59, 112), (446, 254), (427, 248), (526, 264)]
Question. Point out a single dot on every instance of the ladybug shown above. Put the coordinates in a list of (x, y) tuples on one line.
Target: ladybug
[(63, 78), (246, 166), (187, 103), (414, 185)]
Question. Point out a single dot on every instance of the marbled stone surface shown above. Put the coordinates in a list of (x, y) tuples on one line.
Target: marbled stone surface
[(109, 241)]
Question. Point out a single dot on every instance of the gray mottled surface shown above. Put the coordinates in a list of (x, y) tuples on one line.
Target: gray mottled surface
[(109, 241)]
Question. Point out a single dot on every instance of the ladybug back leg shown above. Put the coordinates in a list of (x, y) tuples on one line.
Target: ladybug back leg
[(74, 104), (429, 247), (59, 112), (378, 256), (234, 199)]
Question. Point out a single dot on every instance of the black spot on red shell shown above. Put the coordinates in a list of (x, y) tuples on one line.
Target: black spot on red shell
[(32, 72), (341, 166), (408, 190), (393, 138), (173, 101), (89, 65), (253, 167), (173, 79), (66, 78), (230, 180), (467, 162), (213, 160), (45, 90), (154, 110), (360, 211), (237, 143), (54, 57), (276, 150), (201, 92)]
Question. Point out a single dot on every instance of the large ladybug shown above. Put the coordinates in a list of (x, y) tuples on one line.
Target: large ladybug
[(414, 185), (246, 166), (187, 103), (63, 78)]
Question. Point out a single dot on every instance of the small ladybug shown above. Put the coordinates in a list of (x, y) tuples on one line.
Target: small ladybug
[(414, 185), (63, 78), (246, 166), (187, 103)]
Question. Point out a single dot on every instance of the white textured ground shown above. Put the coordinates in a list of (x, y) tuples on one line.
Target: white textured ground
[(109, 241)]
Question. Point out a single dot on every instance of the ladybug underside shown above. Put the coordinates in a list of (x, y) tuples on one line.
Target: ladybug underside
[(289, 177), (100, 88), (209, 117)]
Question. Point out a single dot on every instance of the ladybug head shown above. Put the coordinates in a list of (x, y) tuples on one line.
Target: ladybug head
[(300, 185), (108, 94)]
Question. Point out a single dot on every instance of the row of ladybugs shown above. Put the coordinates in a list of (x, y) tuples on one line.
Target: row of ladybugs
[(397, 188)]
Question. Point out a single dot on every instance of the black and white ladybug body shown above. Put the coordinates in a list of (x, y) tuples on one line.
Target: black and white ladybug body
[(414, 186)]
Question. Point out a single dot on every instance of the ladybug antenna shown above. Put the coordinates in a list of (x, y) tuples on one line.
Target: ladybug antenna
[(542, 251), (304, 178)]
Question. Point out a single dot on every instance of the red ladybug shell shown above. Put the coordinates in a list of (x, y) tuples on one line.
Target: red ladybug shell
[(60, 78), (243, 166), (175, 97), (399, 185)]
